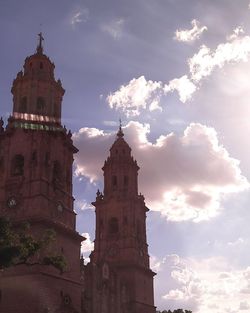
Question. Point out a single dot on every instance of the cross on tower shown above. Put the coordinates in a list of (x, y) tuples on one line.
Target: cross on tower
[(40, 46)]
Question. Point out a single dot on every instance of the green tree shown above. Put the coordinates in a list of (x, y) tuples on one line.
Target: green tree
[(19, 246)]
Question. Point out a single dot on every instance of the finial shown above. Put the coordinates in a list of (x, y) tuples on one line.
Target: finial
[(39, 48), (120, 133)]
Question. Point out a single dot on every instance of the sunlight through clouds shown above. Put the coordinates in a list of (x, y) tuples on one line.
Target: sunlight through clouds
[(203, 284), (203, 63), (141, 94), (185, 178)]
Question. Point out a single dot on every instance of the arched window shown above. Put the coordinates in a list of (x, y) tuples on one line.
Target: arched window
[(34, 157), (125, 220), (113, 226), (17, 165), (47, 158), (125, 181), (40, 104), (23, 105), (114, 181), (57, 171)]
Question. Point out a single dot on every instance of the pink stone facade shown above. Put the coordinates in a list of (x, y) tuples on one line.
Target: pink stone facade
[(36, 157)]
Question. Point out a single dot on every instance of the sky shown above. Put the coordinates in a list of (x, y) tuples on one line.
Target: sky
[(177, 74)]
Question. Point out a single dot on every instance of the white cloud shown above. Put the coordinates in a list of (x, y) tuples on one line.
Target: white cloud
[(110, 123), (141, 94), (82, 205), (205, 61), (137, 95), (189, 35), (205, 285), (79, 17), (240, 241), (88, 159), (87, 245), (183, 86), (185, 177), (114, 28), (236, 33)]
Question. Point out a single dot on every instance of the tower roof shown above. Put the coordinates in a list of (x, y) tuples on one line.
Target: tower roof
[(120, 143)]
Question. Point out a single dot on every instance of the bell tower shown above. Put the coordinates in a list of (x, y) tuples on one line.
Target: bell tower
[(36, 156), (36, 93), (120, 240)]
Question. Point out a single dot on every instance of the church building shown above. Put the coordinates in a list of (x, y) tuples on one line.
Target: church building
[(36, 157)]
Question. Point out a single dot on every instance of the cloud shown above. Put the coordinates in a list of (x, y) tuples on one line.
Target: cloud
[(236, 33), (244, 305), (82, 205), (89, 160), (114, 28), (189, 35), (87, 245), (110, 123), (203, 285), (137, 95), (185, 177), (203, 63), (141, 94), (183, 86), (79, 17), (240, 241)]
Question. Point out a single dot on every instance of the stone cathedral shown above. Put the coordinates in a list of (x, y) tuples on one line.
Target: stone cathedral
[(36, 157)]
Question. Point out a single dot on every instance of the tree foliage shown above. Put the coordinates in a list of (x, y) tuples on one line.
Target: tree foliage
[(21, 247)]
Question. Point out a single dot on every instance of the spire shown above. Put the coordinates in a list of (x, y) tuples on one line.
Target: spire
[(39, 48), (120, 133)]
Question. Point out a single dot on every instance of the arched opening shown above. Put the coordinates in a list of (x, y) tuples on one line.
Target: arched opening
[(113, 226), (17, 165), (47, 158), (114, 181), (34, 157), (125, 181), (57, 172), (40, 104), (23, 105)]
